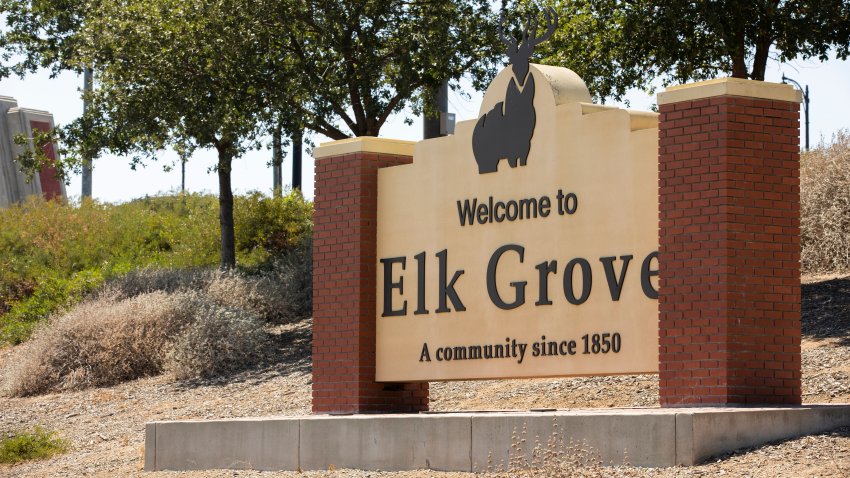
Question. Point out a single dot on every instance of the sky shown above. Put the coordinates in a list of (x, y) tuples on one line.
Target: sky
[(114, 181)]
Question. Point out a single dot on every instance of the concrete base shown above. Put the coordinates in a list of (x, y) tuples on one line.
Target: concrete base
[(474, 441)]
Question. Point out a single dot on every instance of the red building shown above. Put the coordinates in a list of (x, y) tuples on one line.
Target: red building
[(14, 185)]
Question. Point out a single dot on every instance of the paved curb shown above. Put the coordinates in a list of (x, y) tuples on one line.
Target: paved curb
[(653, 437)]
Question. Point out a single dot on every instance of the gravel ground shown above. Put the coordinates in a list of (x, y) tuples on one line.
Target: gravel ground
[(106, 426)]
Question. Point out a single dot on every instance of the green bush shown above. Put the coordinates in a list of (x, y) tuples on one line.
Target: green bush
[(265, 227), (31, 445), (51, 294), (52, 254)]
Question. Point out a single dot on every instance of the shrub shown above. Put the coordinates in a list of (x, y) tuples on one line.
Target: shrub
[(48, 247), (31, 445), (99, 343), (291, 284), (109, 340), (51, 294), (825, 206), (265, 227), (154, 279), (280, 291), (219, 340)]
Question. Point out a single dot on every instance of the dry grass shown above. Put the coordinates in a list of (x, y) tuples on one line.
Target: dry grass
[(825, 207), (556, 458)]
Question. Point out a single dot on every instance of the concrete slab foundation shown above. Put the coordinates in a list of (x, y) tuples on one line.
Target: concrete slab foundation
[(653, 437)]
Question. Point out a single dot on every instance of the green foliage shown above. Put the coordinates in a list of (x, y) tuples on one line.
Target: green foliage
[(270, 227), (31, 445), (51, 294), (359, 61), (40, 34), (53, 254), (184, 73), (615, 45)]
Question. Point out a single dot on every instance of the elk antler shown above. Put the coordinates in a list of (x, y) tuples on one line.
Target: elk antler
[(508, 40), (551, 17), (520, 53)]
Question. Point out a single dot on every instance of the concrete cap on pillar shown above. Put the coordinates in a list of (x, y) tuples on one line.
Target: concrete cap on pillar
[(730, 87), (365, 144)]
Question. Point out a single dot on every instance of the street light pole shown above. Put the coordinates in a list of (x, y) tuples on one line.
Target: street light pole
[(88, 82), (805, 92)]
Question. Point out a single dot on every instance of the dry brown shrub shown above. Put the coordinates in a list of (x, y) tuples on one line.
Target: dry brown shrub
[(107, 341), (280, 294), (191, 322), (825, 207), (153, 279), (235, 290), (291, 282), (220, 340), (99, 343)]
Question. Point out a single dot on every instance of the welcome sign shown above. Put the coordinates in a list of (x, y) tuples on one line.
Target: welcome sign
[(524, 245)]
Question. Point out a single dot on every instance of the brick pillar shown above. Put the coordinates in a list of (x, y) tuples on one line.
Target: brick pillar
[(729, 234), (344, 268)]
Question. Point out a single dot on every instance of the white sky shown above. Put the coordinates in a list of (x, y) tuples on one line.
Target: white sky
[(114, 181)]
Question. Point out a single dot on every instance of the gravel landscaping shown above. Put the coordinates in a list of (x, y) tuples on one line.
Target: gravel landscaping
[(106, 425)]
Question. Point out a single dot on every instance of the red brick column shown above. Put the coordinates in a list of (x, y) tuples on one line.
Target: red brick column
[(344, 268), (729, 233)]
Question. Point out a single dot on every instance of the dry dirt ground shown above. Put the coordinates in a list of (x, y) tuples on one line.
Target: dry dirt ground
[(105, 426)]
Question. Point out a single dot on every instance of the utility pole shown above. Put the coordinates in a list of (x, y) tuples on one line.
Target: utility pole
[(88, 81), (277, 161), (443, 123), (805, 92), (296, 159)]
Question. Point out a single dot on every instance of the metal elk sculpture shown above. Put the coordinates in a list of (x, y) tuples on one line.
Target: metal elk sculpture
[(505, 131)]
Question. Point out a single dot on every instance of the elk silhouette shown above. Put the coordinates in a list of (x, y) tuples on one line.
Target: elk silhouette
[(505, 131)]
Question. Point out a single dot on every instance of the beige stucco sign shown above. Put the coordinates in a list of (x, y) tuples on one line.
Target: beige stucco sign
[(544, 265)]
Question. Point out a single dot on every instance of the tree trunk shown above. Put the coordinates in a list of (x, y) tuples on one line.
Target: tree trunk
[(739, 59), (225, 207), (760, 62), (277, 161)]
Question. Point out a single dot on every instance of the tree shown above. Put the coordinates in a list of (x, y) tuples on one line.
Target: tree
[(182, 73), (360, 61), (219, 74), (41, 34), (616, 45), (45, 34)]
